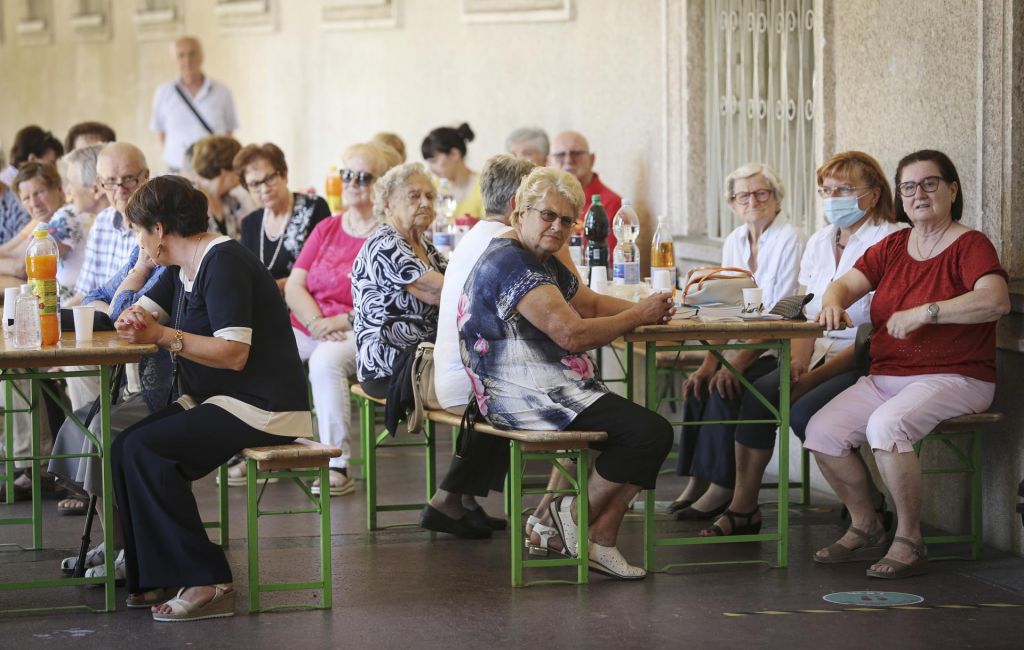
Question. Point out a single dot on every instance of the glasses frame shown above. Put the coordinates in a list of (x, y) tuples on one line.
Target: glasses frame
[(127, 182), (270, 180), (846, 191), (362, 179), (913, 185), (743, 198), (571, 155), (564, 220)]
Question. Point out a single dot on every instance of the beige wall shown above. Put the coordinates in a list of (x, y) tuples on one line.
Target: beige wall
[(314, 92)]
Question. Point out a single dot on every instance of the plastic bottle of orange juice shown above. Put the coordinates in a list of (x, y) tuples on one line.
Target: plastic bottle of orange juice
[(41, 268), (332, 190)]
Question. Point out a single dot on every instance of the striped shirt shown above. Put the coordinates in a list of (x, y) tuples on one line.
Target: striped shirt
[(13, 216), (108, 248)]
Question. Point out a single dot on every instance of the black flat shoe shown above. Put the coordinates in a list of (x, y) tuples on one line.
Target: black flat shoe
[(692, 514), (480, 519), (435, 520), (676, 506)]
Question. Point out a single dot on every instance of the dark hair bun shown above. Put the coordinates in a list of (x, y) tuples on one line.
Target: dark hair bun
[(465, 132)]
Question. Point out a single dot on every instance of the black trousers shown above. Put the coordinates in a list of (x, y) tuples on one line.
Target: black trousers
[(165, 544), (480, 465)]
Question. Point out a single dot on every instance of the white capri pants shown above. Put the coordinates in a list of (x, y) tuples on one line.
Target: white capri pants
[(331, 363), (889, 411)]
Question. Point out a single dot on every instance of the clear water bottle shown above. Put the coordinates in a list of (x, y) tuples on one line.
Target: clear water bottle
[(626, 258), (444, 224), (28, 334), (445, 201)]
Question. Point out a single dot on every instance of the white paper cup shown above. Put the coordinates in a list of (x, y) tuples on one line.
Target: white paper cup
[(83, 322), (752, 300), (599, 278), (10, 297), (661, 280)]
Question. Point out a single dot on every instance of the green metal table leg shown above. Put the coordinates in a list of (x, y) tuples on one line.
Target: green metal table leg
[(784, 378), (366, 415), (428, 441), (650, 401), (629, 370), (325, 539), (37, 495), (805, 476), (515, 475), (108, 488), (583, 515), (9, 467), (253, 533)]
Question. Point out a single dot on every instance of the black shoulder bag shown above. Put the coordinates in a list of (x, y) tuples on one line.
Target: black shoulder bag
[(191, 107)]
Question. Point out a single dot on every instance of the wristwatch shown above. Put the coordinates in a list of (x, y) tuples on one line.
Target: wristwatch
[(178, 343), (933, 312)]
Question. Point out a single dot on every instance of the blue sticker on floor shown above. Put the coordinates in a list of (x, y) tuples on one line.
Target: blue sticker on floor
[(872, 598)]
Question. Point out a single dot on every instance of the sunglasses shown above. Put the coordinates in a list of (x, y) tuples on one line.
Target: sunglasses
[(362, 179)]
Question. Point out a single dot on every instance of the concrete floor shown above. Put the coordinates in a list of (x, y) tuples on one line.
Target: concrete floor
[(404, 588)]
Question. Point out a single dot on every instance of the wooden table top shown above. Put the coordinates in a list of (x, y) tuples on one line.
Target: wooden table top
[(692, 328), (104, 349)]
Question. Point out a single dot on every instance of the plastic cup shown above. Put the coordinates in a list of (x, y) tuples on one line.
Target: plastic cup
[(10, 298), (661, 280), (752, 300), (83, 322), (599, 279)]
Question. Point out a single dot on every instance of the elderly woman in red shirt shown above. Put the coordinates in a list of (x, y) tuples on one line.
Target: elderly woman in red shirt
[(939, 289), (319, 293)]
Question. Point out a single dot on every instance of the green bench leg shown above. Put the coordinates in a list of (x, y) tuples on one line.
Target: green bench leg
[(583, 512), (366, 415), (515, 479), (431, 458), (326, 586), (252, 534)]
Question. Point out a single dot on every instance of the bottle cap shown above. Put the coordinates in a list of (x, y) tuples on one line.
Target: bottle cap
[(596, 199), (26, 289), (627, 201), (42, 230)]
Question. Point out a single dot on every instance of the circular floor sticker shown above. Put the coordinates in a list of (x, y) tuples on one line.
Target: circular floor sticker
[(872, 598)]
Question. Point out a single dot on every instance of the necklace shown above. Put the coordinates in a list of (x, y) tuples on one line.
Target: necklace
[(839, 234), (932, 249), (346, 222), (199, 243), (280, 240)]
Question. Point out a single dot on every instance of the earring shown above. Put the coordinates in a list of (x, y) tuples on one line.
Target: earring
[(159, 250)]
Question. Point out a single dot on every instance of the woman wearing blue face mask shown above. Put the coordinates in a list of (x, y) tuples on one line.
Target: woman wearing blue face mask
[(859, 209)]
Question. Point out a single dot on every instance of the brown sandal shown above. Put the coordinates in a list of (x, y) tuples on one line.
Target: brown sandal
[(874, 548), (903, 569)]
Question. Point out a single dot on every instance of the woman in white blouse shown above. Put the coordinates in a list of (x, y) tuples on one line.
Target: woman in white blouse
[(770, 248), (859, 210)]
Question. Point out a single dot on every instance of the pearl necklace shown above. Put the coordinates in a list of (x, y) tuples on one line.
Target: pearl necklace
[(346, 222)]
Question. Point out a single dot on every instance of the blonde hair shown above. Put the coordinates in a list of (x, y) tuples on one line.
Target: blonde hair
[(542, 181), (391, 140), (380, 156)]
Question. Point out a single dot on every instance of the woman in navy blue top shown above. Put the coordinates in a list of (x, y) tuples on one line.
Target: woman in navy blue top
[(218, 311)]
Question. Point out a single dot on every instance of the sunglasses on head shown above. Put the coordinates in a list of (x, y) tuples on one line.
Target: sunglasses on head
[(362, 179)]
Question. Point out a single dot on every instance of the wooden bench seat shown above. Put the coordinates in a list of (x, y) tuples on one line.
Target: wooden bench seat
[(665, 360), (301, 453), (358, 391), (560, 439), (969, 422)]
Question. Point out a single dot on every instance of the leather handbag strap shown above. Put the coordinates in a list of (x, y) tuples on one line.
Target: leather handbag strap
[(713, 272)]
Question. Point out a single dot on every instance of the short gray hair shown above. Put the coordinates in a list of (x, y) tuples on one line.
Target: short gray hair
[(541, 182), (500, 179), (534, 135), (86, 159), (753, 169), (392, 181)]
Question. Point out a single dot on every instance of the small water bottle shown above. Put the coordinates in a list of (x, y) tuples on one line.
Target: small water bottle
[(625, 258), (27, 331)]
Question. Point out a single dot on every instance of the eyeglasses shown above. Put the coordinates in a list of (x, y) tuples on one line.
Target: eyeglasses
[(842, 190), (362, 179), (127, 182), (929, 185), (549, 216), (270, 180), (743, 198), (572, 155)]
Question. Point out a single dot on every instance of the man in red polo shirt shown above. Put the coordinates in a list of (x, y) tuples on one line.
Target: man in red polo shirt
[(570, 152)]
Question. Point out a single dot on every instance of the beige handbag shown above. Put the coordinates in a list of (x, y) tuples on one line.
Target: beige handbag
[(708, 285)]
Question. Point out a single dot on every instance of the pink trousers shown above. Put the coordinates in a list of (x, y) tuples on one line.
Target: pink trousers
[(890, 412)]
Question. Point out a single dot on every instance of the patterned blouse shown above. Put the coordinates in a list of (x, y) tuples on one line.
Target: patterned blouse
[(68, 227), (278, 255), (384, 267), (13, 216), (520, 377)]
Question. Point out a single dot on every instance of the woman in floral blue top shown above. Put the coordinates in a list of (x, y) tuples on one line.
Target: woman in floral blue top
[(526, 325)]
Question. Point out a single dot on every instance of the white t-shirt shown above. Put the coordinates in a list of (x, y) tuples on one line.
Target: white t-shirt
[(778, 257), (173, 118), (818, 269), (450, 379)]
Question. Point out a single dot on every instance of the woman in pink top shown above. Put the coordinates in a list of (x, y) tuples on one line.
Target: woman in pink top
[(319, 294)]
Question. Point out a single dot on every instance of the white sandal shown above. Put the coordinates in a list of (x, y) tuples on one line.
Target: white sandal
[(100, 570), (545, 533), (221, 605), (609, 561), (561, 513), (93, 558)]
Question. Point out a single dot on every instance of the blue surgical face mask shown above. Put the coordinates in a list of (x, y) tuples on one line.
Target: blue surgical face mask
[(843, 211)]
